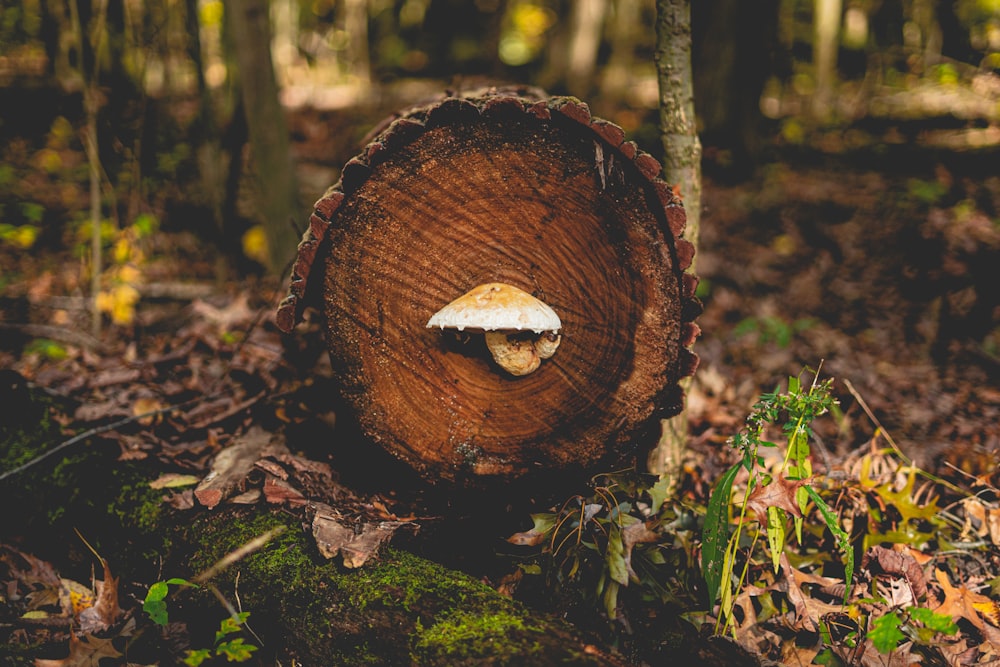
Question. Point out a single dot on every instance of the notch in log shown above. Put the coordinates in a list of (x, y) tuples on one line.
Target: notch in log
[(501, 187)]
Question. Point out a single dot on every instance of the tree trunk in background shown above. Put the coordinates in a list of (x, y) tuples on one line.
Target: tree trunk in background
[(617, 76), (586, 21), (681, 166), (732, 51), (826, 23), (249, 25), (356, 25)]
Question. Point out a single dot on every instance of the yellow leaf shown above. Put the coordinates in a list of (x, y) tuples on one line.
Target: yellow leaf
[(25, 235), (255, 244), (121, 251), (172, 480), (119, 302), (129, 274)]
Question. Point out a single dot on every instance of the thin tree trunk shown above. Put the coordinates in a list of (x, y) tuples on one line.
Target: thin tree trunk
[(682, 166), (827, 26), (249, 25), (587, 21)]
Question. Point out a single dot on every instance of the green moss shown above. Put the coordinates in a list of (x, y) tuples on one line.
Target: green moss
[(293, 577), (460, 638), (404, 580)]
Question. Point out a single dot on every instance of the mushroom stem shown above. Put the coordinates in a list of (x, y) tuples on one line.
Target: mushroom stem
[(515, 355), (546, 345)]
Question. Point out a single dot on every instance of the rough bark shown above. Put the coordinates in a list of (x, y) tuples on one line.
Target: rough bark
[(249, 25), (682, 165), (524, 190)]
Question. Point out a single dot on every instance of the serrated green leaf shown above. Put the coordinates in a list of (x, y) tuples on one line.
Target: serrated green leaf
[(236, 650), (715, 533), (942, 623), (885, 634)]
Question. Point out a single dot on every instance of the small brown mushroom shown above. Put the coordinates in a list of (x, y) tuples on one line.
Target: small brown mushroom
[(508, 316)]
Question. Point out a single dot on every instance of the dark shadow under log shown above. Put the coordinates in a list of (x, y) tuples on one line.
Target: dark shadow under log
[(521, 190)]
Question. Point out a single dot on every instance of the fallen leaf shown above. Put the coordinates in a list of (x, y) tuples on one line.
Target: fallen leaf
[(356, 543), (86, 652), (780, 492), (960, 602), (105, 610), (230, 467), (233, 316), (632, 534), (172, 480)]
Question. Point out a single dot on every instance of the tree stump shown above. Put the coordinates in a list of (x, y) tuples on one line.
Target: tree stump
[(511, 187)]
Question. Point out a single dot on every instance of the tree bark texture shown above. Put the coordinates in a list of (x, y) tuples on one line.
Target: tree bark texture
[(682, 165), (248, 22), (514, 188)]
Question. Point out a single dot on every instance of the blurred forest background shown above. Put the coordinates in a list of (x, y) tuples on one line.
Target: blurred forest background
[(154, 85), (850, 150)]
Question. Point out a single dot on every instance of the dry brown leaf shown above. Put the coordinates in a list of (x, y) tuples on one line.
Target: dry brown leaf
[(780, 492), (960, 602), (277, 490), (86, 652), (886, 564), (231, 317), (105, 610), (632, 534), (231, 466), (357, 544)]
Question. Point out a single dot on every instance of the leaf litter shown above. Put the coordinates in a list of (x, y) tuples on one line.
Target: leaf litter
[(218, 376)]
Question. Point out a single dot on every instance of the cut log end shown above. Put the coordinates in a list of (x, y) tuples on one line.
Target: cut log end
[(500, 189)]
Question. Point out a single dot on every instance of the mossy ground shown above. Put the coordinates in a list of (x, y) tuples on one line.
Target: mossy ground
[(447, 617)]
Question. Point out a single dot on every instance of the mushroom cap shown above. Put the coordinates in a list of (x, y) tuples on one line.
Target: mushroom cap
[(496, 307)]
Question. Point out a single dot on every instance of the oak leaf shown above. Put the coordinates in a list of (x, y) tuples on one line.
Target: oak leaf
[(960, 602), (779, 492)]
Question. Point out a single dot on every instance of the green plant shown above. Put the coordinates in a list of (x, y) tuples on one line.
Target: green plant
[(771, 329), (918, 624), (622, 533), (234, 649), (770, 498)]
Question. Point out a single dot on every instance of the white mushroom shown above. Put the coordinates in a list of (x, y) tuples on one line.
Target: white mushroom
[(520, 330)]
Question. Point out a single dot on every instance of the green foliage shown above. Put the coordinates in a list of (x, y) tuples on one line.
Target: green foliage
[(769, 497), (929, 192), (770, 329), (49, 349), (917, 624), (234, 649), (155, 604), (623, 533)]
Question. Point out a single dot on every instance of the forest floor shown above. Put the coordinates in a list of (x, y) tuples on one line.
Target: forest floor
[(882, 268)]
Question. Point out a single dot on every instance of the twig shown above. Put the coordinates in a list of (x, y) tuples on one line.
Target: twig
[(238, 554), (878, 424), (892, 443), (61, 334), (97, 430), (127, 420)]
